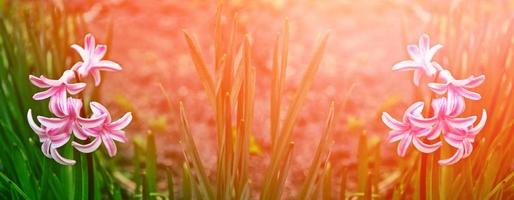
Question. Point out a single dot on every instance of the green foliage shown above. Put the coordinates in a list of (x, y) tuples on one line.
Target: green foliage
[(34, 39)]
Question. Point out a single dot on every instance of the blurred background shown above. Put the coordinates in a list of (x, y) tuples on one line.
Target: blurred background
[(366, 39)]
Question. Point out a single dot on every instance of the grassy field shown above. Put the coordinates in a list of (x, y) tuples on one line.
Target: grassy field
[(35, 38)]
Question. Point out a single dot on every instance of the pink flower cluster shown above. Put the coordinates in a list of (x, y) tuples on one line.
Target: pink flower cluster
[(425, 132), (98, 128)]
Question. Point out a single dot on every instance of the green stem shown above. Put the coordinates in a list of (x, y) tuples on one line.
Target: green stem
[(89, 157), (90, 176)]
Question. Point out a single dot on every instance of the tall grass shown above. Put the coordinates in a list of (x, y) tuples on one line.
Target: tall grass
[(34, 39), (231, 92)]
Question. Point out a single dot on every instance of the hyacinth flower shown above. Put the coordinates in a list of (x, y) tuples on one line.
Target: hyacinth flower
[(458, 132), (106, 132), (462, 140), (57, 90), (421, 59), (92, 62), (72, 122), (407, 132), (444, 120), (457, 89), (68, 123), (52, 139)]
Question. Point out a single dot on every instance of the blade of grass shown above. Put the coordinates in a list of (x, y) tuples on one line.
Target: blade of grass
[(320, 157), (151, 163), (279, 152), (192, 153), (201, 68)]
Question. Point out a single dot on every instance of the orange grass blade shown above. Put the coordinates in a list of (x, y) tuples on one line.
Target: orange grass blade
[(320, 157), (192, 154), (285, 133), (201, 68)]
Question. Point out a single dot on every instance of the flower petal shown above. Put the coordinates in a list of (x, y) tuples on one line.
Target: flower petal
[(55, 107), (462, 123), (81, 51), (425, 148), (91, 122), (392, 123), (75, 88), (424, 43), (96, 77), (446, 76), (122, 122), (74, 105), (475, 81), (109, 145), (99, 109), (413, 52), (454, 159), (78, 132), (404, 145), (89, 44), (118, 135), (468, 148), (52, 123), (38, 82), (454, 139), (33, 124), (395, 135), (431, 52), (468, 94), (421, 122), (59, 140), (45, 94), (45, 148), (59, 159), (100, 51), (439, 88), (480, 124), (435, 132), (88, 148), (458, 108), (407, 65), (415, 109), (107, 65), (417, 77)]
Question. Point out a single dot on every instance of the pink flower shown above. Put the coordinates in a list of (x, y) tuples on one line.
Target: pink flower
[(457, 89), (106, 132), (444, 119), (72, 122), (57, 91), (92, 62), (407, 132), (462, 139), (52, 139), (421, 59)]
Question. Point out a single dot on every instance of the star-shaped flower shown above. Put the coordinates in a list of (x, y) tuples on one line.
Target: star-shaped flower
[(106, 132), (463, 139), (57, 91), (72, 122), (408, 132), (444, 120), (421, 59), (457, 89), (52, 139), (92, 62)]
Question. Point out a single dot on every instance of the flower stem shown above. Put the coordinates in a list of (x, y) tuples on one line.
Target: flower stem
[(89, 157), (422, 177), (90, 176)]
